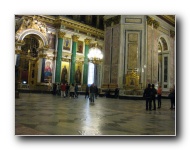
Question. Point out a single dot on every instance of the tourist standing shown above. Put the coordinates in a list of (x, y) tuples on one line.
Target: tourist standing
[(72, 91), (63, 89), (153, 96), (67, 90), (147, 96)]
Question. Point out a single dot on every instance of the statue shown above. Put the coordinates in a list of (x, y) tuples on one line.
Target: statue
[(64, 75), (78, 76)]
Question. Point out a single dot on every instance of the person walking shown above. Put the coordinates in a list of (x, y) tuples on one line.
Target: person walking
[(153, 96), (92, 92), (63, 89), (147, 96), (159, 95)]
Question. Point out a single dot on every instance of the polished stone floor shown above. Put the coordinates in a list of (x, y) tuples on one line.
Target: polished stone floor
[(45, 114)]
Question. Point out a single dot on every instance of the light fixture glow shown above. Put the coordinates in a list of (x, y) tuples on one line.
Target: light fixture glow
[(95, 55)]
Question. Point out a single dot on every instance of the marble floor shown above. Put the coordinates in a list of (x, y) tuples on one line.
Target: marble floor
[(48, 115)]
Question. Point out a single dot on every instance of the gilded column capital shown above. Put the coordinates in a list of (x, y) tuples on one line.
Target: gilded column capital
[(87, 41), (150, 20), (61, 34), (75, 38), (156, 24)]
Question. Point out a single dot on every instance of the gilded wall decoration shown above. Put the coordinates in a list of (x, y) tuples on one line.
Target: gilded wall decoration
[(132, 79), (32, 23)]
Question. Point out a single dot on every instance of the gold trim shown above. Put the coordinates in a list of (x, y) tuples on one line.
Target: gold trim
[(20, 43)]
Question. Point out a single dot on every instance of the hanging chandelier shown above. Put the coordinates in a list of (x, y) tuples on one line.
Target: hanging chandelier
[(95, 55)]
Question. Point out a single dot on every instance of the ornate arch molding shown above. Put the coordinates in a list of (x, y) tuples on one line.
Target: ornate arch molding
[(165, 43), (23, 34)]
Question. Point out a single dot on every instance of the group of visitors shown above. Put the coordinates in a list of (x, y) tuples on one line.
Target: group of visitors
[(150, 95), (65, 90)]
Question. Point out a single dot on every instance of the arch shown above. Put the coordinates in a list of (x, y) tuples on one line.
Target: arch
[(35, 32), (164, 43)]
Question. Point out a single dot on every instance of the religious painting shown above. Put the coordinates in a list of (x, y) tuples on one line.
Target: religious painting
[(51, 40), (67, 44), (64, 72), (80, 47), (47, 71)]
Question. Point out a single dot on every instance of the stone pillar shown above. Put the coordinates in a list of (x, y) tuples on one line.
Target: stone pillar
[(85, 71), (59, 56), (73, 58)]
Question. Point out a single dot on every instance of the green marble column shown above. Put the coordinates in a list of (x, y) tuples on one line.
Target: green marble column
[(85, 71), (59, 57), (73, 58)]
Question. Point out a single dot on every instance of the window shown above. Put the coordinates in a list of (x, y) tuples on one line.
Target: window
[(90, 73)]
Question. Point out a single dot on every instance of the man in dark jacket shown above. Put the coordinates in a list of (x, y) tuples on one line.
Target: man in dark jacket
[(153, 95), (147, 96)]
